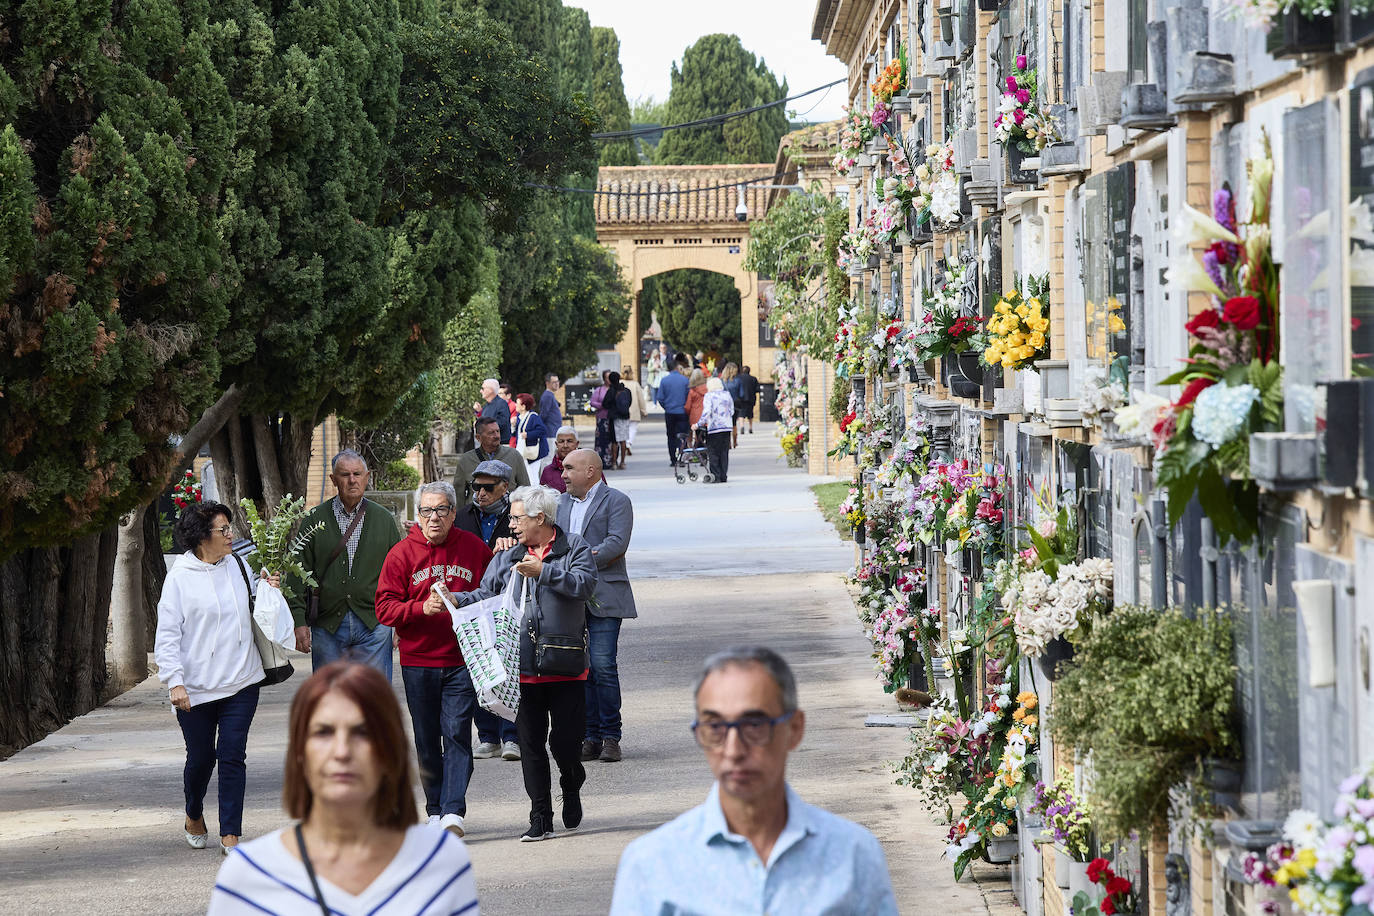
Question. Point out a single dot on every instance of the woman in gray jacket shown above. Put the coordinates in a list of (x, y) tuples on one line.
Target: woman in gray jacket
[(561, 577)]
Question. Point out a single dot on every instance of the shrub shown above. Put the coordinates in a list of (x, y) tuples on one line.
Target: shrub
[(397, 475)]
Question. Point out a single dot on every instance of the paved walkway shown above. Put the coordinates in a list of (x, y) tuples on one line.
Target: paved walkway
[(90, 817)]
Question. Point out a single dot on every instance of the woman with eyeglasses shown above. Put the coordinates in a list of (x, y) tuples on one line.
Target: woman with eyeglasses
[(206, 657)]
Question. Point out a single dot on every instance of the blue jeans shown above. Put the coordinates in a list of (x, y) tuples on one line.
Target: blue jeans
[(603, 680), (352, 640), (492, 729), (441, 703), (218, 731)]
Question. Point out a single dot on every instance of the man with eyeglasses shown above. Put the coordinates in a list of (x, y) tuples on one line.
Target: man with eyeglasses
[(488, 517), (754, 846), (439, 691)]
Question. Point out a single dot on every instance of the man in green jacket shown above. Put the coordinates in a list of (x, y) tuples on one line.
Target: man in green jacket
[(345, 557)]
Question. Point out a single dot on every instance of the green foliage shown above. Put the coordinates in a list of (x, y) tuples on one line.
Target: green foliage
[(718, 75), (113, 153), (404, 428), (697, 309), (580, 303), (396, 475), (608, 97), (829, 496), (275, 549), (839, 401), (472, 348), (1149, 695), (789, 244)]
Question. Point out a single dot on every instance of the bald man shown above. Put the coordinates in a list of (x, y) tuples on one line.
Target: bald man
[(604, 518)]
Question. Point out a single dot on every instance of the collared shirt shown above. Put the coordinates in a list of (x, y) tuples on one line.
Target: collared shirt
[(672, 393), (345, 518), (820, 864), (578, 516)]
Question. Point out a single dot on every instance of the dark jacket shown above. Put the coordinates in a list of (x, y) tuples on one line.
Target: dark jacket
[(344, 588), (498, 408), (607, 526), (748, 388), (550, 412), (535, 434), (468, 461), (558, 598), (469, 519)]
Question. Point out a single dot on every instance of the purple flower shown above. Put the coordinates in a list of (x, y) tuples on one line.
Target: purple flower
[(1022, 96), (1018, 116), (1011, 84), (1350, 783), (880, 113), (1363, 862), (1020, 62), (1224, 212), (1363, 894), (1212, 265), (1365, 807)]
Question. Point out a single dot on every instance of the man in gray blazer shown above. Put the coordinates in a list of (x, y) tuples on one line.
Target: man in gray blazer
[(604, 518)]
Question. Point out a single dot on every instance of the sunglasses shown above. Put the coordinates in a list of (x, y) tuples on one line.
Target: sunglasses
[(487, 487)]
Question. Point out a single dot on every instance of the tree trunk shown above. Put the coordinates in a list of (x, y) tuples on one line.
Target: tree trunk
[(128, 627), (430, 453), (269, 467), (154, 573), (54, 612), (298, 435)]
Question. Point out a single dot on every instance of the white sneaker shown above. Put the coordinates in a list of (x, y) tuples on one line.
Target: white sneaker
[(510, 751), (486, 750), (433, 821), (453, 823)]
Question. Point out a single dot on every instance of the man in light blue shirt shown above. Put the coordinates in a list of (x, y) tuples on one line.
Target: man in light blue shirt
[(754, 846)]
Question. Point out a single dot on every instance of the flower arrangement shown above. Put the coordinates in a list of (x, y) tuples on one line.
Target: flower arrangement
[(855, 326), (895, 634), (943, 329), (1020, 122), (1104, 392), (857, 130), (1018, 332), (1067, 821), (1261, 14), (791, 403), (1233, 382), (937, 197), (1327, 869), (1119, 895), (274, 548), (852, 509), (856, 247), (187, 490), (892, 79)]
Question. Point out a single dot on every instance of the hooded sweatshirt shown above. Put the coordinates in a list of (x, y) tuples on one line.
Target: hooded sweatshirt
[(204, 630), (408, 573)]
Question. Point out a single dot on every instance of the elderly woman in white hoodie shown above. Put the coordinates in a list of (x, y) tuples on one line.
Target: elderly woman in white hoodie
[(206, 657)]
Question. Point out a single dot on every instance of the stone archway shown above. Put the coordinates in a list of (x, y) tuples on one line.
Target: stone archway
[(663, 218)]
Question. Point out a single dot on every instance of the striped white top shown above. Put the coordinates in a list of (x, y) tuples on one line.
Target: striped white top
[(431, 875)]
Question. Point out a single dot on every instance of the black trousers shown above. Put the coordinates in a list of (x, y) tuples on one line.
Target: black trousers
[(677, 425), (718, 454), (554, 712)]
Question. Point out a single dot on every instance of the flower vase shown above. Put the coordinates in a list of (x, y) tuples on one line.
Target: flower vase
[(1001, 850), (1057, 651), (873, 262), (1063, 867), (1078, 881)]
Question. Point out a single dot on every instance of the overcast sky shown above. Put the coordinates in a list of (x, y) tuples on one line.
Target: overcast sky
[(654, 34)]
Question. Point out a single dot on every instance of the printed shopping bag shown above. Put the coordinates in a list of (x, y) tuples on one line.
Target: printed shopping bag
[(485, 630)]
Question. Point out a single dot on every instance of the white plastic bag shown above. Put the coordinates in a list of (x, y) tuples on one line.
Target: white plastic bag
[(273, 615), (488, 634)]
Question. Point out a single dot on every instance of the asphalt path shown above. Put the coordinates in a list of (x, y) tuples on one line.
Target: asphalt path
[(90, 817)]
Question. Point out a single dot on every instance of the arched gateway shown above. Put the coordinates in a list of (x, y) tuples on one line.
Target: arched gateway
[(662, 218)]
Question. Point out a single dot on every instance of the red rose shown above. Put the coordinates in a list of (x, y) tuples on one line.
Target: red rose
[(1243, 312), (1207, 318), (848, 419), (1195, 388), (1107, 908), (1118, 885), (1096, 868)]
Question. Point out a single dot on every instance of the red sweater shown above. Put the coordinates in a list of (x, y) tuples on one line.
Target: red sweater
[(410, 568)]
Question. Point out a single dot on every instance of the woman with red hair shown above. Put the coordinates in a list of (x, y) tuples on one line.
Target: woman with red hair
[(358, 843)]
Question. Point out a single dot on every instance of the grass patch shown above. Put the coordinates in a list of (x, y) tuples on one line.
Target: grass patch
[(828, 497)]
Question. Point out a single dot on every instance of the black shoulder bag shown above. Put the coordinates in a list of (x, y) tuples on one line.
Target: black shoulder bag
[(556, 654), (312, 600), (310, 871)]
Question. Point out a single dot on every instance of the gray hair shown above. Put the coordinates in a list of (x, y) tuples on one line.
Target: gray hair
[(770, 661), (439, 486), (538, 500), (346, 455), (492, 382), (566, 429)]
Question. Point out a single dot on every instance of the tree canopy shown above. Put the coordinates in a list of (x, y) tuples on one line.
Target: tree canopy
[(793, 244), (697, 309), (608, 97), (718, 75)]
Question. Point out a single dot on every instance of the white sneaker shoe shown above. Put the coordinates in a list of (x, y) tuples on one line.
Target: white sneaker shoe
[(433, 820), (486, 750), (510, 751), (453, 823)]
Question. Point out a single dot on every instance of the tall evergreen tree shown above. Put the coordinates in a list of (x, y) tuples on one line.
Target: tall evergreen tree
[(717, 76), (114, 147), (697, 309), (608, 97)]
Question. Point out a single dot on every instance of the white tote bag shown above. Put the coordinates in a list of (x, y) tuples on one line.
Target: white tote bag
[(273, 615), (488, 634)]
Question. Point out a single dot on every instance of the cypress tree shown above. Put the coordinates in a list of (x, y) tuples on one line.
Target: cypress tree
[(697, 309), (608, 97), (717, 76)]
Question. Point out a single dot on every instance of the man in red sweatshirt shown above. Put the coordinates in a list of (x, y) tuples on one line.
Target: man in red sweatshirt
[(439, 690)]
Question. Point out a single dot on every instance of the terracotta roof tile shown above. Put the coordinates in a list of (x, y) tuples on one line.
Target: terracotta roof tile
[(648, 194)]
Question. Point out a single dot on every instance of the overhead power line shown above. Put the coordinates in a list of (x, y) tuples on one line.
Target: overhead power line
[(713, 119), (660, 193)]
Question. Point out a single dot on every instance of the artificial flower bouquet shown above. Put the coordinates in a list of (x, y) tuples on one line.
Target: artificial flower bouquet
[(1119, 894), (1328, 869), (943, 330), (1261, 14), (937, 199), (187, 490), (1233, 382), (857, 131), (1105, 390), (1068, 823), (892, 79), (1019, 329), (1021, 122), (896, 637)]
